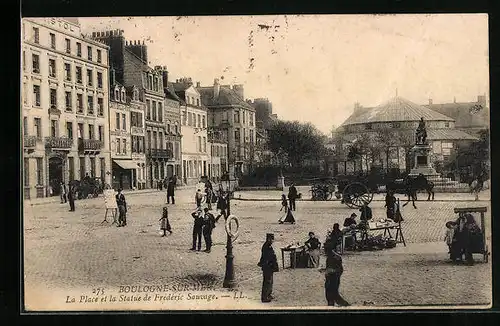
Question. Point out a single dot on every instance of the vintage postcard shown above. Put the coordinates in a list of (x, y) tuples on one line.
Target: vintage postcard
[(256, 162)]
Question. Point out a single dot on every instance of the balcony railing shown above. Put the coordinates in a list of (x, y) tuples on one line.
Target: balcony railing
[(161, 153), (137, 130), (90, 145), (58, 143), (29, 141)]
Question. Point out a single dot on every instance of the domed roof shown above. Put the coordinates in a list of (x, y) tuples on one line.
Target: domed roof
[(396, 109)]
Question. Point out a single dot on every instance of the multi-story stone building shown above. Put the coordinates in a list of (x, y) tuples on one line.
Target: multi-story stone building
[(65, 106), (195, 151), (173, 123), (229, 111), (127, 136), (130, 61), (264, 118), (217, 140)]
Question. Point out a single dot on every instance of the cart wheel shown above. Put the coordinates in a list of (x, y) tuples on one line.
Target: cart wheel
[(330, 196), (357, 194)]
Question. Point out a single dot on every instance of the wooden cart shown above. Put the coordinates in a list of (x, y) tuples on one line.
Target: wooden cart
[(475, 210)]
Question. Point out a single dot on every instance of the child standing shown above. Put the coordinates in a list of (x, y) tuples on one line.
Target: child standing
[(284, 203), (165, 224), (450, 233)]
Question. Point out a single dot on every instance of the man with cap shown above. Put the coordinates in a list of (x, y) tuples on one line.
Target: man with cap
[(208, 226), (269, 265), (350, 222), (122, 208), (197, 229), (333, 272)]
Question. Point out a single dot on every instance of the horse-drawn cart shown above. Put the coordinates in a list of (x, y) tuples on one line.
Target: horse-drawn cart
[(322, 188)]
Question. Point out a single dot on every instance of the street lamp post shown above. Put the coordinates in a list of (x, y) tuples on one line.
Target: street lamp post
[(229, 276)]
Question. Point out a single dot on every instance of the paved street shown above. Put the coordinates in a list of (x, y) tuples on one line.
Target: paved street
[(65, 250)]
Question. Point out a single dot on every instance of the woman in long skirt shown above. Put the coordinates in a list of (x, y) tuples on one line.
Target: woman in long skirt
[(164, 223)]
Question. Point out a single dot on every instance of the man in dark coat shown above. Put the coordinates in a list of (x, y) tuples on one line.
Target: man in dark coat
[(222, 205), (292, 196), (269, 265), (170, 191), (122, 208), (333, 272), (208, 226), (366, 213), (197, 229), (390, 204), (71, 197)]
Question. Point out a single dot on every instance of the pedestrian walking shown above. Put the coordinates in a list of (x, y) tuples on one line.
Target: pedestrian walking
[(71, 197), (222, 205), (198, 197), (209, 195), (284, 203), (333, 272), (164, 223), (269, 265), (292, 196), (390, 204), (122, 208), (63, 193), (197, 229), (171, 191), (160, 184), (208, 226)]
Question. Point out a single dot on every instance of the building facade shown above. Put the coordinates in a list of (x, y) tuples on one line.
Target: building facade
[(127, 137), (229, 111), (386, 134), (217, 140), (130, 62), (173, 123), (65, 96), (195, 148)]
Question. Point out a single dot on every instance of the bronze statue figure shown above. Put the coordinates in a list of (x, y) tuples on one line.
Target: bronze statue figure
[(421, 134)]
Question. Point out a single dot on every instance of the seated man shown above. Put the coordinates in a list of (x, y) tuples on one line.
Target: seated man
[(311, 251), (350, 222)]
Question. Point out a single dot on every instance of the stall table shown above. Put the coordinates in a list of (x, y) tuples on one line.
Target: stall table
[(293, 250)]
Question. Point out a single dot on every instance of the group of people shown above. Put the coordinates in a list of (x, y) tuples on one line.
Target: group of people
[(67, 194), (463, 237), (269, 265)]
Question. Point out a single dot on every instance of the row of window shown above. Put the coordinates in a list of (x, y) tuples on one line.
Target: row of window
[(154, 111), (246, 117), (194, 120), (152, 83), (194, 169), (35, 68), (219, 151), (249, 135), (394, 125), (192, 100), (201, 145), (121, 145), (39, 169), (68, 99), (121, 96), (69, 132), (68, 45)]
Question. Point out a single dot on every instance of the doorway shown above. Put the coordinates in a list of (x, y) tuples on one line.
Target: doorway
[(55, 174), (170, 171)]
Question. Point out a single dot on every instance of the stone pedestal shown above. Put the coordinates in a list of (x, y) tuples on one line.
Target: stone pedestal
[(422, 162)]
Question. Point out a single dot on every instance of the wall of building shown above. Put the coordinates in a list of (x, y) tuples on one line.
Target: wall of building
[(52, 111)]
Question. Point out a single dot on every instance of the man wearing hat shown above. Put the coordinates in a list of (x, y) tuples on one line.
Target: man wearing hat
[(122, 208), (197, 228), (333, 272), (208, 226), (269, 265), (350, 221)]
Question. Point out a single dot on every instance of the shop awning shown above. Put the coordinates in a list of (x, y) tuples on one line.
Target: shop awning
[(126, 164)]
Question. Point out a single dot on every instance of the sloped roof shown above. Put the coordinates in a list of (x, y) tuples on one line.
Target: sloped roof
[(170, 92), (463, 113), (448, 134), (227, 97), (396, 109)]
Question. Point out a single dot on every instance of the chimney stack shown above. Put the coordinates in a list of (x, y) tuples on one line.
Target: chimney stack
[(216, 88), (198, 84), (238, 89), (357, 107), (165, 77)]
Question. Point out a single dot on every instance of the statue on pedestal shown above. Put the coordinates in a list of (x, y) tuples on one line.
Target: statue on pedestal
[(421, 134)]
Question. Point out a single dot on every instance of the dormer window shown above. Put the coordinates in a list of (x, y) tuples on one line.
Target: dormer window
[(117, 94), (136, 94), (123, 97)]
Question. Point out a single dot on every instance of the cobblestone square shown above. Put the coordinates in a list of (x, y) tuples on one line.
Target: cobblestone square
[(66, 251)]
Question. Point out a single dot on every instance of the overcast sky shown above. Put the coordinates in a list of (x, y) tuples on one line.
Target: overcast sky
[(314, 68)]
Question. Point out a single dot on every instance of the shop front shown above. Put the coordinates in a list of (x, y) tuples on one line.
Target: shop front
[(124, 174)]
